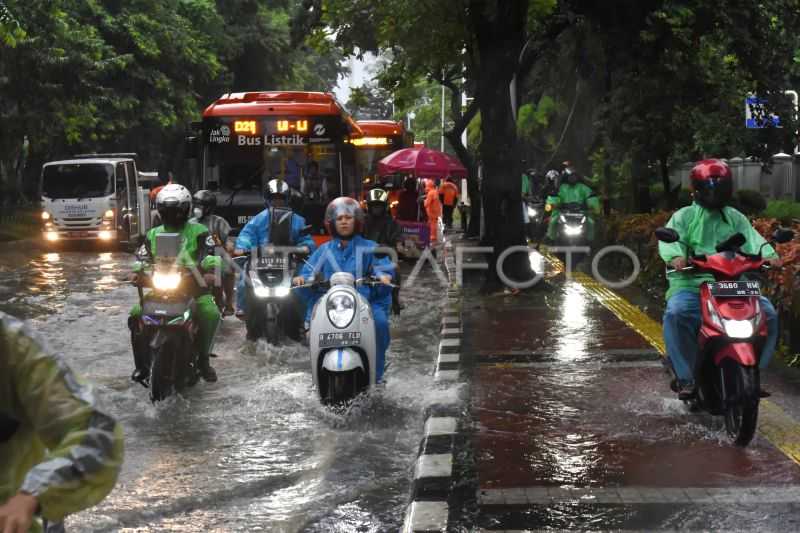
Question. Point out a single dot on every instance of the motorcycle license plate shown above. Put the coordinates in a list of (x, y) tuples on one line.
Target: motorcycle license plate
[(732, 289), (332, 340), (272, 262)]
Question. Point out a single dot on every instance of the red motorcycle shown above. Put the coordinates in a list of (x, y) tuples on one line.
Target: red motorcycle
[(732, 335)]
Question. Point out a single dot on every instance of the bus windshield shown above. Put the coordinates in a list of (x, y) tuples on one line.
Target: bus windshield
[(78, 180), (312, 169), (367, 163)]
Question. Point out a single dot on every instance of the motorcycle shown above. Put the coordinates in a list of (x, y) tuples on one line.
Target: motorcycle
[(273, 312), (342, 340), (732, 334), (535, 211), (167, 330), (571, 228)]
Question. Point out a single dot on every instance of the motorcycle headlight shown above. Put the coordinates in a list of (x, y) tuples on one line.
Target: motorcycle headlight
[(282, 292), (532, 212), (341, 307), (583, 220), (572, 230), (164, 281), (739, 329)]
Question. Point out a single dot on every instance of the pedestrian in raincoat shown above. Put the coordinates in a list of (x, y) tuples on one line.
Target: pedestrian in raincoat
[(277, 224), (573, 191), (174, 204), (433, 208), (701, 226), (449, 193), (349, 252), (59, 454)]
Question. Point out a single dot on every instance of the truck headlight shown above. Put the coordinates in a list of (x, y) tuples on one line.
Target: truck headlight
[(46, 215), (341, 307), (109, 214), (163, 281)]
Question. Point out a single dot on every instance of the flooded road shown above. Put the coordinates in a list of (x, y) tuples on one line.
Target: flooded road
[(253, 452)]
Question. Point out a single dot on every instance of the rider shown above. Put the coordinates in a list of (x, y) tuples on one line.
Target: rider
[(174, 204), (348, 251), (59, 453), (277, 224), (701, 226), (381, 228), (204, 204), (572, 191)]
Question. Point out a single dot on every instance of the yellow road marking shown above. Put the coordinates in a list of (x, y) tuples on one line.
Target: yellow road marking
[(774, 423)]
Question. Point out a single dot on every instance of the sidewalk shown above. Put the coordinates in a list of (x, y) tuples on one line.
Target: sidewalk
[(571, 425)]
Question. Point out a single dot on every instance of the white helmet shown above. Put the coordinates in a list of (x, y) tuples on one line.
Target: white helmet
[(174, 203)]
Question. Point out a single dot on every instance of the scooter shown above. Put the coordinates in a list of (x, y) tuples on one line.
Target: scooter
[(167, 330), (342, 340), (732, 334), (273, 312), (572, 221), (535, 212)]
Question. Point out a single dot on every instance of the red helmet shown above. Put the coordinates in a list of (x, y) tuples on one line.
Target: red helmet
[(338, 206), (711, 183)]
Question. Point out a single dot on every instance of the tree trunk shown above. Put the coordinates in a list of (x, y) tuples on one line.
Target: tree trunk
[(499, 27), (641, 184)]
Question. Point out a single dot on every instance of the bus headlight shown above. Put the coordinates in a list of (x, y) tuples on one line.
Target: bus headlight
[(163, 281), (341, 307)]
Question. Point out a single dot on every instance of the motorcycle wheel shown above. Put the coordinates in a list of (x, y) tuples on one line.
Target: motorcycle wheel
[(272, 327), (342, 387), (741, 409), (163, 373)]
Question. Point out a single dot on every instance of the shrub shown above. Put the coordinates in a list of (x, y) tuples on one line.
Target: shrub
[(786, 211), (749, 202)]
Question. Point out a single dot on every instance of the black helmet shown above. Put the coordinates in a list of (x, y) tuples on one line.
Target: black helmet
[(173, 203), (377, 202), (570, 175), (276, 188), (205, 201)]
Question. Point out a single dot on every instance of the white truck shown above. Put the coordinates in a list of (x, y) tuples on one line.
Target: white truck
[(94, 197)]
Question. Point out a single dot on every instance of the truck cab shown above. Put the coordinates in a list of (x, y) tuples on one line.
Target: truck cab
[(93, 197)]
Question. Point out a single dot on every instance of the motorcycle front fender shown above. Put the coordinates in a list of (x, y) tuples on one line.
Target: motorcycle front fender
[(341, 360), (743, 353)]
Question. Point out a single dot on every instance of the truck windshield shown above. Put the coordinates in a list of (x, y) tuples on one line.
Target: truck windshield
[(78, 180)]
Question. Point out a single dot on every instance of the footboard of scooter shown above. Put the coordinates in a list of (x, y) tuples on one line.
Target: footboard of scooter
[(342, 360), (743, 353)]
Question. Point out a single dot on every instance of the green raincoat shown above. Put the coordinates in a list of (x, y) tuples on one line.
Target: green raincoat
[(580, 193), (702, 229), (196, 245), (63, 450)]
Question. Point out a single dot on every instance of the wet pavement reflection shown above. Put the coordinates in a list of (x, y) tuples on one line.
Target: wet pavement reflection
[(575, 427)]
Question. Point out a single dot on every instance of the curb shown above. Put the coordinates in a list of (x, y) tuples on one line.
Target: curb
[(429, 509)]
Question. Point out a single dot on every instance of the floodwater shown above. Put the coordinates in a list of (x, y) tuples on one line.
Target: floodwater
[(255, 451)]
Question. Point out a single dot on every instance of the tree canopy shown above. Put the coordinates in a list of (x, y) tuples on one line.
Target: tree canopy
[(85, 75)]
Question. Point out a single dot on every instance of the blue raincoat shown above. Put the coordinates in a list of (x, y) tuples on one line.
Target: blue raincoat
[(356, 258), (256, 234)]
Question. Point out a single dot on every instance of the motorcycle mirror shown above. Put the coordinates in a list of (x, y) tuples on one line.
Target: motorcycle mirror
[(667, 235), (783, 235), (733, 242)]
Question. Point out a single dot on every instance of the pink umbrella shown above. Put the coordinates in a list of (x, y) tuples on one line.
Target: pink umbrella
[(421, 162)]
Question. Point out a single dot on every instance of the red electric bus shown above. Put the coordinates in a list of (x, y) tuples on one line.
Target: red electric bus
[(379, 139), (246, 139)]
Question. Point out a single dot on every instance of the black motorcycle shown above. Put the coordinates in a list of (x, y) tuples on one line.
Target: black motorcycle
[(167, 335), (274, 311)]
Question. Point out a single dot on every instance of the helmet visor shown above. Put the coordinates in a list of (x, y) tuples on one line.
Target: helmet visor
[(713, 192)]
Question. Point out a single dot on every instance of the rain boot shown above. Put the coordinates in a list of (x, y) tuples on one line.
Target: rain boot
[(207, 371)]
